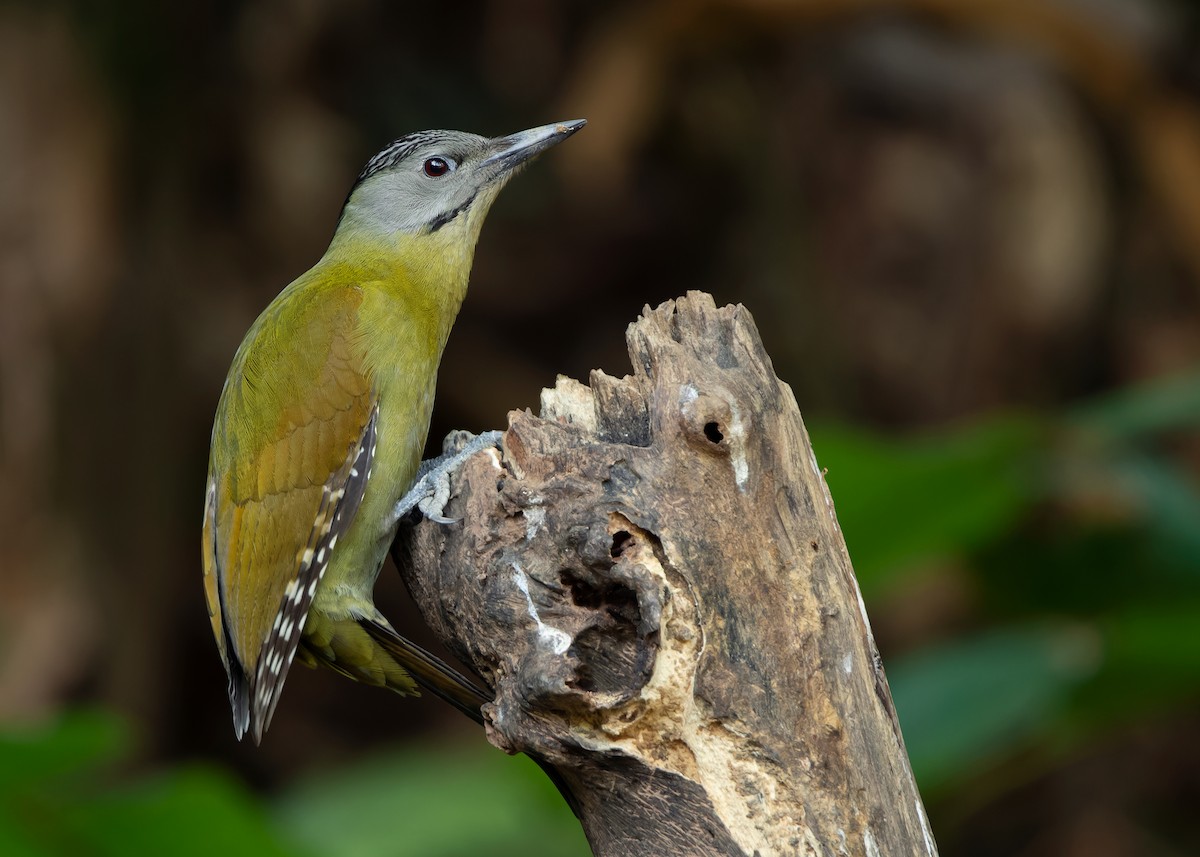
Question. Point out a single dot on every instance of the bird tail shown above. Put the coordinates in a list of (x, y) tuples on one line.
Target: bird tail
[(368, 650), (429, 671)]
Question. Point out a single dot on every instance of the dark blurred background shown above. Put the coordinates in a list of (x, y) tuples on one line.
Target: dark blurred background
[(969, 233)]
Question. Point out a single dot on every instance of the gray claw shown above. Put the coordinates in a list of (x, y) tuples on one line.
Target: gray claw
[(431, 492)]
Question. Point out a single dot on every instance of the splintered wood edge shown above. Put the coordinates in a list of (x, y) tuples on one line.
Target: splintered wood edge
[(570, 402)]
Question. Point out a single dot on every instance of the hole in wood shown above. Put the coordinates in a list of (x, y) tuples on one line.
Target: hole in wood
[(712, 431), (615, 599), (582, 594), (607, 660), (610, 655)]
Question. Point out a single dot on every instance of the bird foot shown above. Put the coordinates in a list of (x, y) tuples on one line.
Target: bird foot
[(431, 491)]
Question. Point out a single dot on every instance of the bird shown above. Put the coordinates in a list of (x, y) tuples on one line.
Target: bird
[(322, 419)]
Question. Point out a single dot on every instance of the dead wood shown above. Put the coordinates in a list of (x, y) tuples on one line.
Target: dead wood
[(651, 579)]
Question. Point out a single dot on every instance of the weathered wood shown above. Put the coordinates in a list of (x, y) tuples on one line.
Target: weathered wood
[(652, 580)]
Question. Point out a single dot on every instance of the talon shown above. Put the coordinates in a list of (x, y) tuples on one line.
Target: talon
[(431, 492)]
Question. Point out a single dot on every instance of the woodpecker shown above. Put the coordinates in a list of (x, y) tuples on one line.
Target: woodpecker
[(319, 429)]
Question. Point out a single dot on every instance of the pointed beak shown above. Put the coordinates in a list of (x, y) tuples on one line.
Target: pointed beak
[(510, 152)]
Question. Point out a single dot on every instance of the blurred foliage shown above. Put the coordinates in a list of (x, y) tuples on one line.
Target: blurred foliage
[(443, 801), (901, 504), (62, 795), (969, 703), (1079, 539), (1118, 572)]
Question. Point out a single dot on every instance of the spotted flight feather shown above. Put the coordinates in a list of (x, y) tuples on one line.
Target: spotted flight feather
[(340, 499)]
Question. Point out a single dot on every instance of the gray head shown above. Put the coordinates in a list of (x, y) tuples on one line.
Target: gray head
[(428, 179)]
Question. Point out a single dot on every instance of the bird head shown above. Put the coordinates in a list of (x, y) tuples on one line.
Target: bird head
[(430, 180)]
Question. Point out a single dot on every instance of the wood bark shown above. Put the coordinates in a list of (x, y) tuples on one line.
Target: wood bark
[(650, 577)]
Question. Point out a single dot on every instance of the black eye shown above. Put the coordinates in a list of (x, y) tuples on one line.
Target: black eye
[(435, 167)]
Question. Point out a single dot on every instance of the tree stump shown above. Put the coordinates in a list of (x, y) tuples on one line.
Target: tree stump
[(651, 579)]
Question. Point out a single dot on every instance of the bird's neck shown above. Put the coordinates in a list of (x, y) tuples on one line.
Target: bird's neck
[(426, 273)]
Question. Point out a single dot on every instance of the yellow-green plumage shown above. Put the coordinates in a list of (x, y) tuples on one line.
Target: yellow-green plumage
[(324, 414)]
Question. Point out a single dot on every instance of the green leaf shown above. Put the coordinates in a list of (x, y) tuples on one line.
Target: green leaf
[(447, 802), (1161, 405), (1161, 641), (969, 703), (55, 800), (15, 839), (1168, 505), (191, 812), (1151, 664), (71, 744), (902, 503)]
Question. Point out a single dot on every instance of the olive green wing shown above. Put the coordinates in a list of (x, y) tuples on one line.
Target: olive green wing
[(292, 445)]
